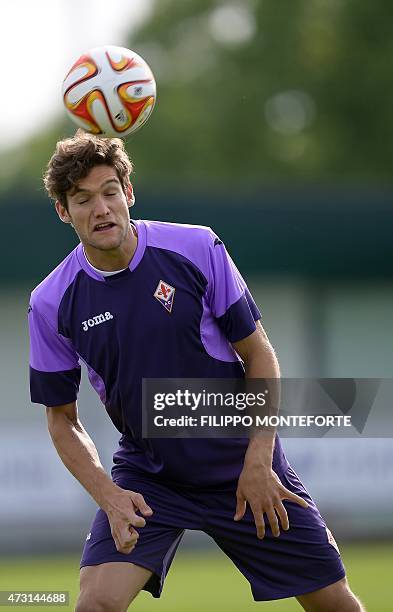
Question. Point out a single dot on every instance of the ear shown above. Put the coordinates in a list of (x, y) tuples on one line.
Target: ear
[(130, 195), (62, 212)]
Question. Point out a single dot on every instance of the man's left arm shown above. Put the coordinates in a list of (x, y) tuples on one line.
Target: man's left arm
[(259, 485)]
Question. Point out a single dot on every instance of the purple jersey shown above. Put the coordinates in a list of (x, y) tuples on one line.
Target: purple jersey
[(173, 313)]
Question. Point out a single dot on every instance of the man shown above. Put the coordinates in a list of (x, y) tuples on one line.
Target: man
[(146, 299)]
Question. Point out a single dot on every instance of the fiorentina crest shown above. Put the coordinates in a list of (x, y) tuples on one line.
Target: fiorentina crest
[(165, 294), (331, 539)]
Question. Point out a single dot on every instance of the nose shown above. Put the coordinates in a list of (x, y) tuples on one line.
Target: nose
[(100, 207)]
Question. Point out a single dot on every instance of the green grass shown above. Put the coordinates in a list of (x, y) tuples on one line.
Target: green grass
[(207, 582)]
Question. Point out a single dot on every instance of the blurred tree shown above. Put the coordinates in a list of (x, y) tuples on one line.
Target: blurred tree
[(255, 91), (259, 91)]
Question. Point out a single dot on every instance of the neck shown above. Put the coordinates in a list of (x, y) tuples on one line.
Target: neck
[(113, 259)]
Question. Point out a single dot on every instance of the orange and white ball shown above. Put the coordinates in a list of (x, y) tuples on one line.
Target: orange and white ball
[(109, 91)]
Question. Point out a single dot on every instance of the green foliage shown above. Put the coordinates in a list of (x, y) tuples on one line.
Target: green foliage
[(212, 122), (257, 91)]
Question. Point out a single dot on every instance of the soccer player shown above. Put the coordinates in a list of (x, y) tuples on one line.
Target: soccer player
[(146, 299)]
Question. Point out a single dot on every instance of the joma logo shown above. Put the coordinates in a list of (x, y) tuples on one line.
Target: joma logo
[(101, 318)]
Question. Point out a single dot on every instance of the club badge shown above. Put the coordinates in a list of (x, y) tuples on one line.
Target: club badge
[(331, 539), (165, 294)]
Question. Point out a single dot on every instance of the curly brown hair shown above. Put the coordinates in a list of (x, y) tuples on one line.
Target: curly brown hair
[(75, 157)]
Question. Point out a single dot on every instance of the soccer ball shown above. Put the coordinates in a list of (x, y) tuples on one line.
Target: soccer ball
[(109, 91)]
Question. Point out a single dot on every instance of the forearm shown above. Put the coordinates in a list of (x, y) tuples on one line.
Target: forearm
[(262, 363), (79, 454)]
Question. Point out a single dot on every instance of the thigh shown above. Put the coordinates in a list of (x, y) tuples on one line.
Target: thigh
[(303, 559), (110, 586)]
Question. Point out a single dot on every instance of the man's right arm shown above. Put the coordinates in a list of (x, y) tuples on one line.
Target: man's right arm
[(79, 454)]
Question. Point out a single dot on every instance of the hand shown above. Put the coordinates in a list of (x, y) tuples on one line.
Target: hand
[(121, 509), (264, 492)]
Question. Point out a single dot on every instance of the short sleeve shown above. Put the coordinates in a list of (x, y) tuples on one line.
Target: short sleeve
[(229, 298), (54, 364)]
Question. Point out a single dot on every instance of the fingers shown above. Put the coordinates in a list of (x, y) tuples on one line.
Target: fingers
[(139, 501), (135, 520), (272, 517), (259, 522), (123, 517), (279, 509), (240, 508), (282, 515), (286, 494), (125, 539), (265, 498), (276, 515)]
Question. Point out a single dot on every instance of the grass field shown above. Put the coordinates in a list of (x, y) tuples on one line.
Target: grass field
[(207, 582)]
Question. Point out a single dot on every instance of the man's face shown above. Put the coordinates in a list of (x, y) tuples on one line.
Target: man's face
[(98, 209)]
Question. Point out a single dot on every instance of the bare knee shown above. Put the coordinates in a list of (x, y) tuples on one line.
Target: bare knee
[(335, 597), (99, 601), (347, 600)]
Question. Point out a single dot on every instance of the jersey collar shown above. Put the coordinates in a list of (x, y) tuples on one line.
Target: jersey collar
[(139, 252)]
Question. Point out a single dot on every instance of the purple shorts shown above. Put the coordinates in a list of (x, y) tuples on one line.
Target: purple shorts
[(300, 560)]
